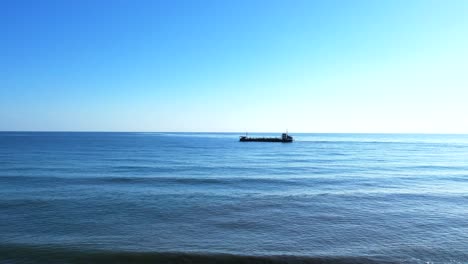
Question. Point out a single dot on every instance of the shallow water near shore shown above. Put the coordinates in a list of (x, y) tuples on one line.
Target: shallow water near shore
[(208, 198)]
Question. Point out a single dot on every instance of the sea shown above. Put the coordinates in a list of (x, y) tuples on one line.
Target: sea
[(73, 197)]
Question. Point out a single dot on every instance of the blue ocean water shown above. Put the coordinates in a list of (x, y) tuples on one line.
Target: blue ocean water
[(207, 198)]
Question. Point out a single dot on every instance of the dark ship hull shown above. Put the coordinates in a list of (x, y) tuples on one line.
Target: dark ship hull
[(284, 139)]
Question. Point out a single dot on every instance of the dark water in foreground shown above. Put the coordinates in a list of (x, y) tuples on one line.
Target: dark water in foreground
[(207, 198)]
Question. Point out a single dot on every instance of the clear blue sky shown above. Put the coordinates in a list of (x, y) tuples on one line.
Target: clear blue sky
[(233, 65)]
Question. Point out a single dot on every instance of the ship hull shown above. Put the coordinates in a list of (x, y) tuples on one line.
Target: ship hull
[(248, 139)]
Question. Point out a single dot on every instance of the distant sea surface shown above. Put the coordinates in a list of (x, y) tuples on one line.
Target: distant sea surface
[(208, 198)]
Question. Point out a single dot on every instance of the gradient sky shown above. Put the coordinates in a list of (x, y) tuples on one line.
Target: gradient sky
[(233, 65)]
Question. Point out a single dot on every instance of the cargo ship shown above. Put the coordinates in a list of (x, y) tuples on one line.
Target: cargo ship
[(285, 138)]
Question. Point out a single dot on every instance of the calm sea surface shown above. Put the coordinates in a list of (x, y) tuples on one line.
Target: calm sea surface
[(207, 198)]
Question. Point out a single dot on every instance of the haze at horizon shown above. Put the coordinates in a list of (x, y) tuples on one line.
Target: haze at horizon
[(306, 66)]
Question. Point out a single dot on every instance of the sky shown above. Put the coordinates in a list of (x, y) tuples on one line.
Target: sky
[(338, 66)]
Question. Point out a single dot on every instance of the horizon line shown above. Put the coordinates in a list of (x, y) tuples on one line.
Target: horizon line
[(229, 132)]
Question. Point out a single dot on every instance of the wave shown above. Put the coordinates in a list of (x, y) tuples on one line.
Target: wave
[(251, 181), (53, 254)]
